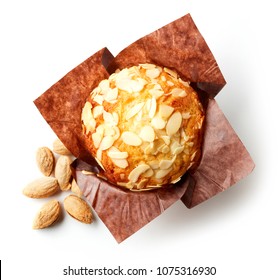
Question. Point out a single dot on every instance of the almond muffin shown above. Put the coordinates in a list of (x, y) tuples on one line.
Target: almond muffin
[(144, 126)]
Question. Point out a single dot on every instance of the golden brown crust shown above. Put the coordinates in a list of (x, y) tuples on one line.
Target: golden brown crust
[(144, 126)]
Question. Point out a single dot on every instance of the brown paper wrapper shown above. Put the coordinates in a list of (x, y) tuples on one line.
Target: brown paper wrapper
[(178, 45)]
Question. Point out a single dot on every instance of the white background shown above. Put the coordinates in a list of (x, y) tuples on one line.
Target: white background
[(236, 231)]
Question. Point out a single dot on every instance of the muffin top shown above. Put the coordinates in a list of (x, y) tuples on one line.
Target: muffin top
[(144, 126)]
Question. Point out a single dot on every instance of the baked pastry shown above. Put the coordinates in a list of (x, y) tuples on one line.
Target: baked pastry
[(144, 126)]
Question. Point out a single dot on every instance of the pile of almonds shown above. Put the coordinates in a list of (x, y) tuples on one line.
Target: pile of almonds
[(57, 177)]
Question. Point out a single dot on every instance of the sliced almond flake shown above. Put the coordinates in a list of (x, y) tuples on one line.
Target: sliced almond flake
[(170, 83), (99, 156), (142, 183), (117, 133), (130, 85), (117, 154), (178, 92), (163, 78), (175, 180), (178, 150), (148, 173), (156, 91), (122, 163), (159, 148), (113, 76), (184, 137), (147, 66), (147, 133), (171, 72), (91, 125), (97, 111), (86, 112), (193, 156), (99, 160), (108, 117), (186, 115), (165, 149), (131, 138), (183, 94), (153, 73), (174, 123), (134, 110), (137, 171), (95, 92), (152, 108), (149, 149), (139, 116), (122, 184), (186, 84), (154, 164), (104, 86), (174, 145), (165, 111), (158, 122), (162, 173), (109, 131), (98, 99), (112, 94), (165, 163), (100, 129), (97, 139), (190, 165), (166, 139), (106, 142), (130, 185)]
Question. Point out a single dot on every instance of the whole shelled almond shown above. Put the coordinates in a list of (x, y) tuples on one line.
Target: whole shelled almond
[(47, 215), (63, 172), (45, 160), (78, 209), (42, 187), (59, 148)]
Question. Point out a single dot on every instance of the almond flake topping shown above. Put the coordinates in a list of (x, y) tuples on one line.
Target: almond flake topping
[(147, 133), (178, 92), (156, 91), (171, 72), (165, 111), (114, 153), (131, 138), (162, 173), (152, 108), (97, 111), (111, 94), (158, 122), (87, 112), (153, 73), (129, 85), (106, 143), (186, 115), (97, 137), (147, 66), (134, 110), (174, 123), (122, 163), (165, 164), (104, 86), (137, 171)]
